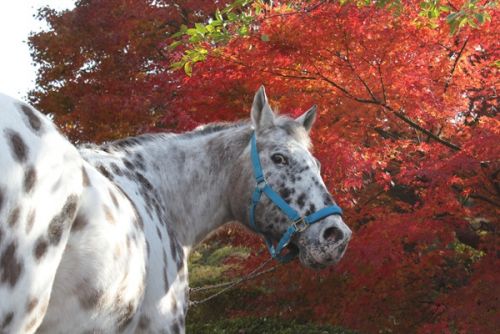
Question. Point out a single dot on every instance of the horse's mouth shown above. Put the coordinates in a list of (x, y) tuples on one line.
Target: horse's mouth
[(293, 248), (317, 258)]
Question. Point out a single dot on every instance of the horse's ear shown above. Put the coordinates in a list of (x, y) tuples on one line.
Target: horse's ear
[(262, 115), (307, 119)]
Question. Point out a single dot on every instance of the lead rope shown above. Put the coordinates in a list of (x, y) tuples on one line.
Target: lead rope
[(258, 271)]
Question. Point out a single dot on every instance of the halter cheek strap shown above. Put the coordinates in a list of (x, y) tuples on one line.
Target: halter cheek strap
[(298, 223)]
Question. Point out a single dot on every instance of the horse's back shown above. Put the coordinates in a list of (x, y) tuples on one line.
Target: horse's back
[(40, 188)]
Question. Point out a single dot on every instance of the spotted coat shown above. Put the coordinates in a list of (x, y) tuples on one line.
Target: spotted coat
[(95, 239)]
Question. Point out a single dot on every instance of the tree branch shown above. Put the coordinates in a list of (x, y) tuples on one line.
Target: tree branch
[(301, 11), (414, 125), (343, 89), (280, 74), (379, 69), (450, 76), (485, 199), (397, 113), (353, 70)]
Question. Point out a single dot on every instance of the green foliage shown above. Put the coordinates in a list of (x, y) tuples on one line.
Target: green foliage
[(234, 19), (471, 14), (207, 263), (262, 326)]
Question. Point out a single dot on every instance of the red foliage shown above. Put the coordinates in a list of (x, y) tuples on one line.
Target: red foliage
[(99, 63), (407, 147), (408, 138)]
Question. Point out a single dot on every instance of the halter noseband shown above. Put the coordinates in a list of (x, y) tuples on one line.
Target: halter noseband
[(299, 223)]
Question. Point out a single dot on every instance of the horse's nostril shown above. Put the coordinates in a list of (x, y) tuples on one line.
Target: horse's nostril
[(333, 234)]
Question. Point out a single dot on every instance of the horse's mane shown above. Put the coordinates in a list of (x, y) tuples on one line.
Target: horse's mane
[(215, 127), (284, 122)]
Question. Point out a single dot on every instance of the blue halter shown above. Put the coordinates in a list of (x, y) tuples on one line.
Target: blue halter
[(299, 223)]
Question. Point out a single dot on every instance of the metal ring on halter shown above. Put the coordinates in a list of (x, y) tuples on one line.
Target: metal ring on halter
[(300, 225)]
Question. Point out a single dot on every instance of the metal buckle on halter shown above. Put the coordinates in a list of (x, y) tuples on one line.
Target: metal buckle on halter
[(300, 225), (261, 183)]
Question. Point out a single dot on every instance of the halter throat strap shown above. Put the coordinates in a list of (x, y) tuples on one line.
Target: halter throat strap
[(298, 223)]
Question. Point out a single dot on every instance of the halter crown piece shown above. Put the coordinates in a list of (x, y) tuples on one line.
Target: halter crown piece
[(298, 223)]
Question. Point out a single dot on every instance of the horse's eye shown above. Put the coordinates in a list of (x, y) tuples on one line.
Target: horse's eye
[(279, 159)]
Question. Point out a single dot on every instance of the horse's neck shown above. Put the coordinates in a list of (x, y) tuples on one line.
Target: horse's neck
[(192, 176)]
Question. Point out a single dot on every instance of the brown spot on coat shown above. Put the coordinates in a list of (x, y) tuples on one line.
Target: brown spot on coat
[(14, 217), (126, 318), (159, 233), (109, 215), (17, 146), (29, 326), (144, 322), (30, 221), (113, 198), (32, 304), (40, 249), (88, 295), (79, 223), (118, 252), (33, 120), (85, 177), (105, 172), (128, 164), (138, 221), (116, 170), (58, 224), (7, 320), (10, 267)]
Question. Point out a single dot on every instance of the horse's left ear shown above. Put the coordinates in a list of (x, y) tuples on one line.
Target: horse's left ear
[(307, 119), (262, 115)]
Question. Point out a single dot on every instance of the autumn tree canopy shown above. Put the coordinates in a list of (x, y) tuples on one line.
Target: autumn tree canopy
[(97, 64), (407, 134)]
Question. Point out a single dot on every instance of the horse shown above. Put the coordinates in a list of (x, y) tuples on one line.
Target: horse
[(96, 238)]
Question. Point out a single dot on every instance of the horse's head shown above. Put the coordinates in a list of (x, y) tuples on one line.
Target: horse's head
[(293, 174)]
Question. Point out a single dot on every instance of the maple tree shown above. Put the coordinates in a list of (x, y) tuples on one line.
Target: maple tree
[(97, 64), (407, 134)]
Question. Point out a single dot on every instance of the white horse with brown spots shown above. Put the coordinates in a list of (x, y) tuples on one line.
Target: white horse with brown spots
[(96, 239)]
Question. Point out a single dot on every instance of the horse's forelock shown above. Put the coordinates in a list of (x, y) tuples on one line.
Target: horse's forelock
[(294, 129)]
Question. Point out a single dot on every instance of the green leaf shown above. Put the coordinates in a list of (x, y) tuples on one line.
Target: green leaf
[(218, 15), (177, 65), (243, 31), (174, 45), (188, 68), (191, 32), (470, 22), (451, 18), (265, 38), (480, 17), (200, 28)]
